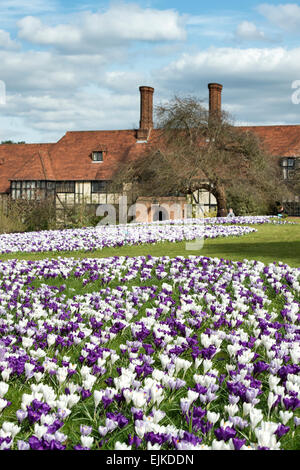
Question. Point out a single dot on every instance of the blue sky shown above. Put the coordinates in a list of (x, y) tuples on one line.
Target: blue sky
[(73, 65)]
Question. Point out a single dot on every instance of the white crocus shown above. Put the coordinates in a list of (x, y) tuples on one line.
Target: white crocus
[(231, 409), (5, 374), (158, 415), (3, 404), (98, 394), (40, 430), (122, 446), (271, 399), (207, 365), (139, 399), (87, 441), (140, 428), (273, 381), (3, 389), (265, 435), (73, 398), (220, 445), (247, 407), (61, 374), (198, 362), (256, 416), (11, 428), (285, 416), (213, 417), (153, 446), (192, 396)]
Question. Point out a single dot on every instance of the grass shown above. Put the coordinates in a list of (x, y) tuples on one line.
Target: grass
[(270, 243)]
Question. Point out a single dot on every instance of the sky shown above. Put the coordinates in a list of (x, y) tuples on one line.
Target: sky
[(75, 65)]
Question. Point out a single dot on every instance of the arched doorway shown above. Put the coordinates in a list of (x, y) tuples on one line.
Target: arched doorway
[(160, 214)]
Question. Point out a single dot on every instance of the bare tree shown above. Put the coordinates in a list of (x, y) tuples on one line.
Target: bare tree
[(192, 149)]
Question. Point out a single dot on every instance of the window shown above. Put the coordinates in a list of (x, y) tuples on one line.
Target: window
[(97, 156), (292, 208), (288, 167), (288, 162), (65, 186), (99, 186), (28, 189)]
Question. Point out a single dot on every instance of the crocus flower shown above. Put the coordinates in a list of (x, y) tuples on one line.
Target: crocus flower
[(85, 430)]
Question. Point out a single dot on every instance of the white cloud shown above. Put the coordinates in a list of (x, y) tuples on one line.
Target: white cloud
[(256, 81), (33, 30), (6, 42), (91, 31), (247, 31), (47, 117), (130, 22), (285, 16), (236, 62), (28, 71), (48, 94)]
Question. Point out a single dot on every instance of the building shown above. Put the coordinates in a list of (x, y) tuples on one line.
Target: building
[(81, 164)]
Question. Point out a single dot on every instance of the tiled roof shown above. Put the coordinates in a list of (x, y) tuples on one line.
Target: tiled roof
[(283, 141), (23, 159), (70, 157)]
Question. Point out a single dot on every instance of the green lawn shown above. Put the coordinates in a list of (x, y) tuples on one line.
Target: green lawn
[(270, 243)]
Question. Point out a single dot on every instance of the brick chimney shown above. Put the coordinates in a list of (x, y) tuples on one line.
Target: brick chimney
[(215, 106), (146, 112)]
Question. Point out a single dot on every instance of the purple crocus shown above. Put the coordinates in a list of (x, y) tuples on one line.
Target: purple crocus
[(238, 443), (224, 434), (282, 430), (134, 440)]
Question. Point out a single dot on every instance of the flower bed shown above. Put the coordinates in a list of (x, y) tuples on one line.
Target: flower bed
[(236, 220), (90, 239), (149, 353)]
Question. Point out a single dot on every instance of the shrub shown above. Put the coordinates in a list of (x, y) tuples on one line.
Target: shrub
[(23, 215), (40, 215), (248, 203), (210, 213), (9, 223), (80, 215)]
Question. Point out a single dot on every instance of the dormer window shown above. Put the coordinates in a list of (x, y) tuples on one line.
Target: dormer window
[(97, 156)]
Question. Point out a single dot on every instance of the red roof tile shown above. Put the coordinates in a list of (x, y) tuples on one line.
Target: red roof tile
[(70, 157), (20, 158), (283, 141)]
